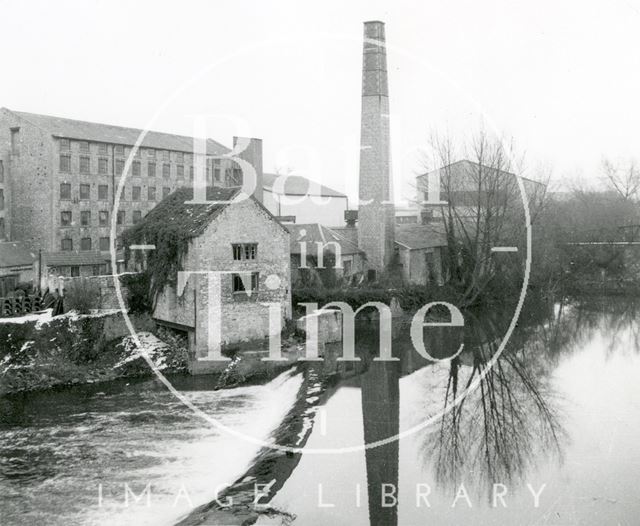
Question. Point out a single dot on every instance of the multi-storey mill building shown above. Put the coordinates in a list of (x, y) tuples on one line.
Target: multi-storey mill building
[(58, 179)]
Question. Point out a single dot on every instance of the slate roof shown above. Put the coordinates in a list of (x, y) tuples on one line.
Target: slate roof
[(416, 237), (314, 232), (189, 220), (14, 254), (73, 258), (97, 132), (298, 185)]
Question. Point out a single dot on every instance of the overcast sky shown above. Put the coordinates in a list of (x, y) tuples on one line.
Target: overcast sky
[(562, 77)]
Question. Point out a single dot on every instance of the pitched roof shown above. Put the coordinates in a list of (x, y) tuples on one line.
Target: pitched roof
[(187, 220), (314, 232), (93, 131), (298, 185), (473, 167), (415, 237), (14, 254), (73, 258)]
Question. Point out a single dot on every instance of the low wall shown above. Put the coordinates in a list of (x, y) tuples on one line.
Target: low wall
[(105, 285)]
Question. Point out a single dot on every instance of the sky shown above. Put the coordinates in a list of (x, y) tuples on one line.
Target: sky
[(561, 78)]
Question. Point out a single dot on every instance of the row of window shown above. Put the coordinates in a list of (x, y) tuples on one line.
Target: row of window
[(66, 217), (136, 168), (120, 151), (103, 192), (85, 244)]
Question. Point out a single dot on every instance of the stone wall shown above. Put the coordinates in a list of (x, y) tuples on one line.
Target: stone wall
[(28, 182), (243, 318), (104, 285)]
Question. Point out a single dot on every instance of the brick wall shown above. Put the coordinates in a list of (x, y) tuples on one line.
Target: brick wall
[(375, 212)]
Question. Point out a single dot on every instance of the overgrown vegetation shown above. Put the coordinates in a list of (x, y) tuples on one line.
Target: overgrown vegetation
[(137, 285), (81, 295)]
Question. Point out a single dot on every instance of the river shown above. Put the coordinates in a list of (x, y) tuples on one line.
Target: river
[(548, 434)]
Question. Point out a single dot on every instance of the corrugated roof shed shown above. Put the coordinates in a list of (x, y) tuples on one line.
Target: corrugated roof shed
[(15, 254), (298, 185), (93, 131)]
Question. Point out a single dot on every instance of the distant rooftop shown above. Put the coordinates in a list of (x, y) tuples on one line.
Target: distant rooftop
[(108, 133), (15, 254), (416, 237), (313, 233), (298, 185)]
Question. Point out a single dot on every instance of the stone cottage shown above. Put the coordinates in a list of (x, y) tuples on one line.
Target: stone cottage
[(237, 239)]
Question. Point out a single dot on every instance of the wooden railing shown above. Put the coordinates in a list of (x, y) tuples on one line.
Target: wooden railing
[(20, 305)]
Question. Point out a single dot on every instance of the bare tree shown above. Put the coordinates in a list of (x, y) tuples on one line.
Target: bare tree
[(624, 178), (481, 206)]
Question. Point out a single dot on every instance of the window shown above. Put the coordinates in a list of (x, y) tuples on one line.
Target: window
[(65, 163), (85, 243), (165, 191), (137, 216), (67, 244), (97, 270), (151, 169), (119, 166), (191, 173), (65, 191), (103, 191), (103, 218), (85, 218), (1, 172), (166, 170), (15, 141), (216, 174), (180, 157), (244, 251), (165, 155), (1, 199), (151, 193), (119, 150), (187, 157), (85, 191), (102, 148), (2, 232), (75, 272), (65, 145), (104, 243), (85, 165), (238, 284), (120, 219), (151, 153), (84, 146), (103, 165), (135, 168), (135, 193), (347, 267), (180, 170)]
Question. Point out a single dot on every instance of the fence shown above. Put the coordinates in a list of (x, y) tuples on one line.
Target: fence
[(20, 305)]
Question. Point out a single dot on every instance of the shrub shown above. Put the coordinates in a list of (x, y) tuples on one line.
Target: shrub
[(81, 295), (138, 300)]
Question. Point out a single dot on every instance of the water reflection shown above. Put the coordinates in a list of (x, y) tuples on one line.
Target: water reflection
[(496, 431)]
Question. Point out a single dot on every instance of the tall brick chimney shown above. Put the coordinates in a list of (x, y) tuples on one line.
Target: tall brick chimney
[(253, 154), (376, 212)]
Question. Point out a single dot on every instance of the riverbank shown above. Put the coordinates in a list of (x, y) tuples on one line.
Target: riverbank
[(42, 352)]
